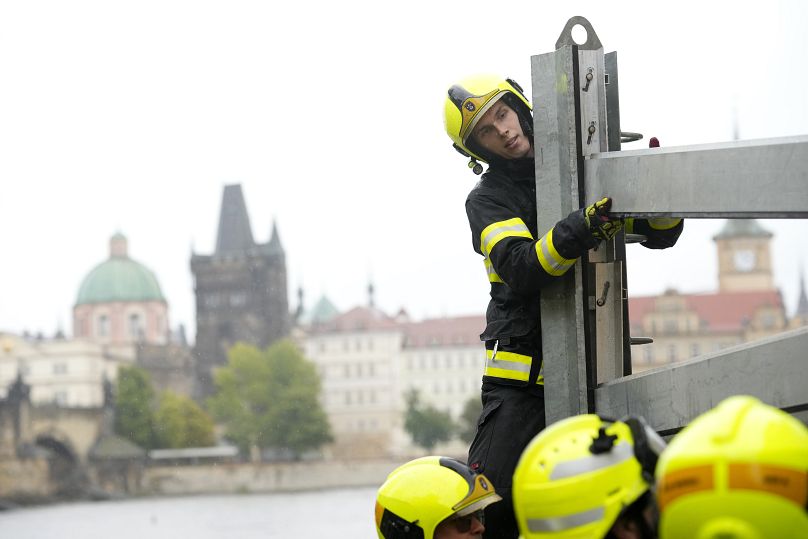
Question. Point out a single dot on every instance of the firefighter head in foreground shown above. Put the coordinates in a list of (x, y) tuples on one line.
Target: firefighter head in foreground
[(433, 498), (587, 477), (738, 471)]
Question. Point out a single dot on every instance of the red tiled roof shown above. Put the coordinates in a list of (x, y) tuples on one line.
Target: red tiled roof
[(459, 330), (725, 311), (358, 319)]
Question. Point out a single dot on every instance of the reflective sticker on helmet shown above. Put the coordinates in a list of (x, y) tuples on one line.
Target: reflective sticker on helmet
[(681, 482), (557, 524), (788, 483), (620, 453)]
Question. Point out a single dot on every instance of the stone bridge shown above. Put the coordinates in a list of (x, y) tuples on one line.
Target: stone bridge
[(46, 449)]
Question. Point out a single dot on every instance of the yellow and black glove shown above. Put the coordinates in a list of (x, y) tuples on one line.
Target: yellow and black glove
[(601, 226)]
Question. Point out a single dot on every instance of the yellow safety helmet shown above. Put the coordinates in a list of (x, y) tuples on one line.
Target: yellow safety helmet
[(576, 477), (738, 471), (468, 100), (419, 495)]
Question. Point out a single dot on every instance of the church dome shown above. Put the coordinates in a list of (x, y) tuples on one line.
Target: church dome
[(119, 279)]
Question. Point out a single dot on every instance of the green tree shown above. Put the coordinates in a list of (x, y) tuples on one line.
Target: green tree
[(467, 422), (134, 415), (426, 425), (180, 422), (269, 399)]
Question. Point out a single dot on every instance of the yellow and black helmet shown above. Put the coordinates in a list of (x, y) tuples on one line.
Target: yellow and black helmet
[(575, 478), (419, 495), (468, 100), (738, 471)]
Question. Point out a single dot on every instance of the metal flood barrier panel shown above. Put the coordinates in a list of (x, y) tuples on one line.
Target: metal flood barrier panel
[(584, 317)]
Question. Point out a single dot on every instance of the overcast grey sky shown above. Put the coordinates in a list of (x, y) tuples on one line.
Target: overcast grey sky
[(132, 116)]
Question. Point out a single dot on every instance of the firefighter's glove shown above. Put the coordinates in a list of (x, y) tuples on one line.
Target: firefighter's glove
[(601, 225)]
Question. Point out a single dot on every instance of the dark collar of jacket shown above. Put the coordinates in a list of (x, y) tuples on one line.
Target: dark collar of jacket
[(514, 169)]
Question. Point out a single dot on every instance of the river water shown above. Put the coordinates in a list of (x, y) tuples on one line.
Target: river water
[(340, 513)]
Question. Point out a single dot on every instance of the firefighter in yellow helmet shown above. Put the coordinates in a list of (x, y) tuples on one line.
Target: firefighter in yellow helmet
[(587, 477), (738, 471), (489, 121), (433, 498)]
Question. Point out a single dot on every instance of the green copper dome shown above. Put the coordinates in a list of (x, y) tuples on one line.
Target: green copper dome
[(119, 279)]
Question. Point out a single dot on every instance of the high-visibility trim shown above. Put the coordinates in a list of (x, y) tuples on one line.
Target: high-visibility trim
[(492, 275), (787, 483), (511, 366), (663, 223), (620, 453), (508, 365), (682, 482), (558, 524), (552, 262), (493, 233)]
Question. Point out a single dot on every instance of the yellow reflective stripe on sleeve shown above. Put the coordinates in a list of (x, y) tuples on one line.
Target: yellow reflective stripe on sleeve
[(492, 275), (628, 225), (508, 365), (495, 232), (663, 223), (552, 262)]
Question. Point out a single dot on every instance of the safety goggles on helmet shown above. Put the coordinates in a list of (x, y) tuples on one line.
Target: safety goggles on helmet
[(422, 493), (467, 102), (463, 524), (576, 477)]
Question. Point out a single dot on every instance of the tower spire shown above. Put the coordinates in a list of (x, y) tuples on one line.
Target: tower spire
[(235, 233)]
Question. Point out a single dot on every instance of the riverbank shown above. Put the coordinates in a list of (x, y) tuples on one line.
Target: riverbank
[(27, 483)]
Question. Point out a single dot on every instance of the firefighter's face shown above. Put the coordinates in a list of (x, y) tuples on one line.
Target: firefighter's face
[(499, 132)]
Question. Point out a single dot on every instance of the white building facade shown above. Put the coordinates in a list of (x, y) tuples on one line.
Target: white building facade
[(369, 361), (68, 373)]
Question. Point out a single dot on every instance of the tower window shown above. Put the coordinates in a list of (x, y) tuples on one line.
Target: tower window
[(135, 326), (103, 326)]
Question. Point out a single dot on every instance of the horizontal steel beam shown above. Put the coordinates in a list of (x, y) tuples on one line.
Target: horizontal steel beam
[(775, 370), (765, 178)]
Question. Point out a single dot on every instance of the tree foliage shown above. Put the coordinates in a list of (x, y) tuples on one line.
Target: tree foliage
[(425, 424), (269, 399), (134, 414), (467, 422), (180, 422)]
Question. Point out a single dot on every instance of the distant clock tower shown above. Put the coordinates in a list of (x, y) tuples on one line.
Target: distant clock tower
[(744, 259)]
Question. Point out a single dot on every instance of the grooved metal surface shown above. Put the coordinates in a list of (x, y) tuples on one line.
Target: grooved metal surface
[(555, 135), (774, 369), (765, 178)]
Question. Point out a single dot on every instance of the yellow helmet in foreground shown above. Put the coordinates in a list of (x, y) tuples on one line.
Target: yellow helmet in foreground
[(738, 471), (468, 100), (575, 478), (420, 494)]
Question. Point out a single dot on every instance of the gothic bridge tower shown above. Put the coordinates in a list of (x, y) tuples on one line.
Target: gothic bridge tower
[(241, 291)]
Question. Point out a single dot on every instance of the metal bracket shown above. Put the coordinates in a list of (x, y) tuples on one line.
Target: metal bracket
[(592, 42)]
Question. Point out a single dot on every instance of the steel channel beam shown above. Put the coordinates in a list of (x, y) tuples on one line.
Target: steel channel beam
[(765, 178), (562, 313), (774, 369)]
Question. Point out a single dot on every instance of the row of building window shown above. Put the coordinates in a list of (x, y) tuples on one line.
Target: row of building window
[(348, 345), (435, 362), (215, 300), (135, 326), (56, 368)]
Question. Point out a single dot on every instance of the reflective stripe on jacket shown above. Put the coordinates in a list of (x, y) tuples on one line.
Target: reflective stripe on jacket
[(519, 261)]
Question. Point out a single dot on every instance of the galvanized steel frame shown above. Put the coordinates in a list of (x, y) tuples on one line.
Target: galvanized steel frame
[(769, 178)]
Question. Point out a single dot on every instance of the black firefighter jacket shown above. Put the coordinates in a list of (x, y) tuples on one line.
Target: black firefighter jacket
[(519, 261)]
